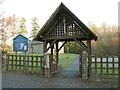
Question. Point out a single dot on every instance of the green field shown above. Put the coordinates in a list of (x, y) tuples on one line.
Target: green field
[(66, 59)]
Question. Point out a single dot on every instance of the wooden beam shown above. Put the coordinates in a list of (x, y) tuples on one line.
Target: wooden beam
[(84, 46), (53, 26), (70, 37), (62, 45), (51, 48), (83, 43), (89, 57), (57, 52), (45, 45), (51, 45), (82, 30)]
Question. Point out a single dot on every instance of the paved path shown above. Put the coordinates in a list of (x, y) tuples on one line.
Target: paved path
[(68, 78), (72, 72)]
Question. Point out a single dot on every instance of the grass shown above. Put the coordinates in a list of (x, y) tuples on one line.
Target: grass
[(66, 59), (104, 70)]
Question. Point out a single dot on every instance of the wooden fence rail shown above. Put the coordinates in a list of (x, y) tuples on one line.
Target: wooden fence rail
[(105, 65), (53, 64), (32, 64)]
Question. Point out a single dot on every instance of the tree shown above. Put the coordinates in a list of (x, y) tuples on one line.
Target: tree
[(35, 27), (92, 27), (22, 28), (107, 43), (12, 25), (73, 46), (3, 33), (8, 29)]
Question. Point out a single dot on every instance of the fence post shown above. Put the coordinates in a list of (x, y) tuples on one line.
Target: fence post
[(47, 64), (1, 69), (80, 65), (84, 65), (0, 61)]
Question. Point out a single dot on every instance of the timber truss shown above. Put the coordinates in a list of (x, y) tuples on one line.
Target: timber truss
[(64, 26)]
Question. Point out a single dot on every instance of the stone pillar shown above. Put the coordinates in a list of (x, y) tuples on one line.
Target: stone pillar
[(0, 69), (84, 65), (47, 64), (0, 60)]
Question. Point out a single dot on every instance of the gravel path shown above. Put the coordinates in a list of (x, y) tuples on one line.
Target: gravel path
[(68, 78)]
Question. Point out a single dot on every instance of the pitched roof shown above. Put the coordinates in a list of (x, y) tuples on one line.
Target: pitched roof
[(20, 35), (60, 10)]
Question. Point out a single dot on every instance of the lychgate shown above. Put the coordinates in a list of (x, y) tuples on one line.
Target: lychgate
[(64, 26)]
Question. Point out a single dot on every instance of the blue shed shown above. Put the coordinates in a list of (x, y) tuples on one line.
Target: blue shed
[(20, 43)]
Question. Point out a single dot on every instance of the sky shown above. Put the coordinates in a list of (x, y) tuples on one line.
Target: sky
[(95, 11)]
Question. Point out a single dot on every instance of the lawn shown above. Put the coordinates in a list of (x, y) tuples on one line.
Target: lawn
[(66, 59)]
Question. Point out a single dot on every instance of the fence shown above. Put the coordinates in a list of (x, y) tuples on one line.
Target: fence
[(105, 65), (53, 64), (32, 64), (4, 61)]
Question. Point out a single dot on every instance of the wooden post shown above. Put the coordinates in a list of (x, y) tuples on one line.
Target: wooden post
[(45, 46), (12, 61), (41, 67), (89, 57), (37, 63), (51, 59), (51, 49), (20, 62), (16, 61), (57, 57), (80, 65), (7, 63)]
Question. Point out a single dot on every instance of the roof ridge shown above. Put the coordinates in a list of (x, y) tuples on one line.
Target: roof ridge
[(61, 9)]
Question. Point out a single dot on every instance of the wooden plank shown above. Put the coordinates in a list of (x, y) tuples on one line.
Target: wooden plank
[(19, 62), (80, 66), (41, 62), (61, 46), (57, 51), (12, 61), (16, 62), (50, 64), (37, 63), (113, 67), (32, 62), (66, 38), (95, 65), (101, 65), (51, 45), (81, 44), (27, 62), (107, 65), (45, 46)]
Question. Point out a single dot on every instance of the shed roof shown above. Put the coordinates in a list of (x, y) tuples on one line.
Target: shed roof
[(61, 9), (19, 36)]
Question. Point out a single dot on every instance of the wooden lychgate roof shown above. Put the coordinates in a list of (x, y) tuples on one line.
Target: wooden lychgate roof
[(64, 25)]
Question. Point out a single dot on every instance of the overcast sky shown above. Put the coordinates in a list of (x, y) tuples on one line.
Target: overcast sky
[(95, 11)]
